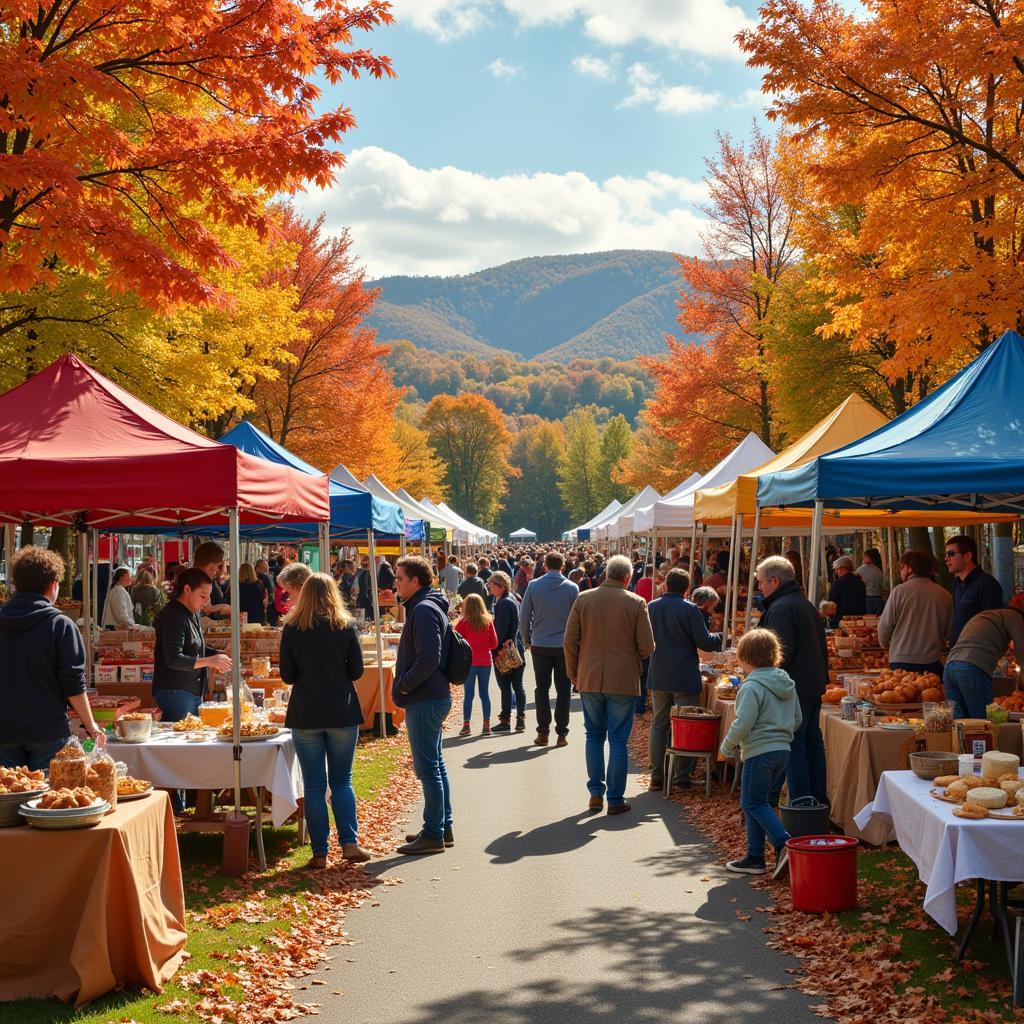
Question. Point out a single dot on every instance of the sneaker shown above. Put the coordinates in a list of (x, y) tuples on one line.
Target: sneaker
[(520, 725), (422, 844), (449, 837), (501, 727), (465, 730), (486, 730), (748, 866), (781, 863)]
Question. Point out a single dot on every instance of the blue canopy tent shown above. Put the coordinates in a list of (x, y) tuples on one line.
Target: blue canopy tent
[(960, 450)]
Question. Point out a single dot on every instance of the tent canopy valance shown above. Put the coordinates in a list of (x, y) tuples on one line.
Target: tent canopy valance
[(77, 449), (959, 450)]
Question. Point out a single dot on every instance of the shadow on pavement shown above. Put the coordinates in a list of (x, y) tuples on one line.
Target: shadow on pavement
[(513, 755), (654, 969)]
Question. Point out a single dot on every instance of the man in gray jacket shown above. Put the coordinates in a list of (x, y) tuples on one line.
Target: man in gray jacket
[(546, 605), (916, 619)]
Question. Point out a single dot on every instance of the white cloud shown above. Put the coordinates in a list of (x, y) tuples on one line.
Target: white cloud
[(411, 220), (501, 68), (646, 86), (595, 67), (706, 27)]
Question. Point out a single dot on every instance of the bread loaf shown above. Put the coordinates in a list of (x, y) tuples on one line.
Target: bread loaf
[(995, 763), (1010, 787), (986, 796), (957, 790)]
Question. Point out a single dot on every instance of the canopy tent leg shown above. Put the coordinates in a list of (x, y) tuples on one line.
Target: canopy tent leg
[(751, 576), (803, 562), (401, 546), (83, 563), (812, 572), (727, 610), (735, 573), (324, 532), (693, 550), (8, 550), (95, 611), (890, 551), (824, 568), (376, 626), (234, 554)]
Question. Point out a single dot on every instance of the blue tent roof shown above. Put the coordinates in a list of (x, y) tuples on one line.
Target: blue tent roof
[(352, 512), (959, 449)]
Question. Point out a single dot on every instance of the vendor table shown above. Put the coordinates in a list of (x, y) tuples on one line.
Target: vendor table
[(856, 759), (947, 849), (170, 761), (92, 909), (368, 690)]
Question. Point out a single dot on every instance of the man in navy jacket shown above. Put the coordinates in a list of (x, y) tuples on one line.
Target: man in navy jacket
[(674, 674), (421, 686), (974, 590)]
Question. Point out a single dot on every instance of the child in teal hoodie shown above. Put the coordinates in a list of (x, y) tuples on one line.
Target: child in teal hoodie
[(767, 716)]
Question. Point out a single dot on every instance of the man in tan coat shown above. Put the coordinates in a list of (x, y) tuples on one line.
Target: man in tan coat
[(607, 636)]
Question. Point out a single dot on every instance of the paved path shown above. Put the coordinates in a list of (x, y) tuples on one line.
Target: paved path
[(544, 912)]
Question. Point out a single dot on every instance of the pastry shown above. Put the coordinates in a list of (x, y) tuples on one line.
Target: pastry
[(974, 811), (946, 780), (957, 790), (1010, 787)]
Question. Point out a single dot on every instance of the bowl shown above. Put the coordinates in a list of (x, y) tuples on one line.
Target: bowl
[(930, 764), (135, 730)]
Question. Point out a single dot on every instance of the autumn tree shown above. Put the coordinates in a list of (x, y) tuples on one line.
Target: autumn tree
[(910, 113), (532, 500), (417, 468), (468, 433), (577, 469), (613, 452), (655, 460), (129, 128), (709, 396), (333, 397)]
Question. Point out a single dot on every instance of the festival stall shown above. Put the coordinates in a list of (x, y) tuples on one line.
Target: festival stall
[(476, 535), (417, 526), (582, 532), (523, 536), (434, 517), (620, 524)]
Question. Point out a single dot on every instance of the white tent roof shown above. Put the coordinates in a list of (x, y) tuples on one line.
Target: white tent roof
[(682, 488), (434, 516), (341, 475), (613, 506), (677, 513), (484, 536), (522, 533), (611, 527), (375, 487)]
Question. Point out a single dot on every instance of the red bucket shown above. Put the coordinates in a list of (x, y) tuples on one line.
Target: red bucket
[(698, 733), (823, 873)]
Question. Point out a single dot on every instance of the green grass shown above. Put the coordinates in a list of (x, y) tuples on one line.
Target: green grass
[(889, 888), (205, 888)]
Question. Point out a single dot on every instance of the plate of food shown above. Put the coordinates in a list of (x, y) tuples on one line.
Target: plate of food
[(190, 723), (132, 789), (65, 808), (1001, 798), (250, 732)]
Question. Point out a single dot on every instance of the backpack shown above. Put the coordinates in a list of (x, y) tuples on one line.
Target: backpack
[(460, 657)]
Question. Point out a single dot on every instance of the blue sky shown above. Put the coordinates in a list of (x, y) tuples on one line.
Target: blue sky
[(529, 127)]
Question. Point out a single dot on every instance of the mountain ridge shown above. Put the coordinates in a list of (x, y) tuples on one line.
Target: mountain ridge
[(620, 303)]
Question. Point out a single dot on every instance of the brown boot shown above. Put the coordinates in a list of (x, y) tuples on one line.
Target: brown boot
[(354, 853), (317, 863)]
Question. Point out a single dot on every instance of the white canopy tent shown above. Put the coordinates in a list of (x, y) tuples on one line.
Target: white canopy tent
[(612, 528), (435, 516), (341, 475), (377, 488), (473, 534), (610, 509), (626, 521), (483, 536), (522, 534)]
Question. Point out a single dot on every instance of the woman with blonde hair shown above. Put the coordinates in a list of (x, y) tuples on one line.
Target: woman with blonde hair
[(321, 657), (477, 628), (250, 595)]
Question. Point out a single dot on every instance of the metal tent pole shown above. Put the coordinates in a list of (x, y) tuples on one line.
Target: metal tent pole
[(376, 627), (727, 610), (83, 562), (234, 552), (95, 611), (324, 532), (890, 550), (812, 574), (751, 576), (803, 562), (8, 550), (693, 549)]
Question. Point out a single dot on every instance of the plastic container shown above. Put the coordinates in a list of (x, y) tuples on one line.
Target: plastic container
[(805, 817), (823, 873), (848, 708), (695, 732)]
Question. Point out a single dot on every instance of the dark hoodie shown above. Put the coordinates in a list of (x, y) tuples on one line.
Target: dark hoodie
[(423, 650), (43, 663)]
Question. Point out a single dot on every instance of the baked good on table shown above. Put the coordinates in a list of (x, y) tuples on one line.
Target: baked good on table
[(21, 780), (1011, 786), (974, 811), (127, 786), (987, 796), (65, 799), (995, 763), (957, 790), (188, 724), (946, 780)]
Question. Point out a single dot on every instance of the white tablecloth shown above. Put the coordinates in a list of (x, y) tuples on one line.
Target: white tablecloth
[(171, 762), (945, 848)]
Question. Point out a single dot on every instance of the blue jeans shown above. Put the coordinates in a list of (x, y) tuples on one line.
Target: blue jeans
[(607, 716), (968, 688), (175, 705), (761, 784), (874, 605), (424, 722), (805, 775), (483, 674), (326, 757), (35, 756), (641, 701)]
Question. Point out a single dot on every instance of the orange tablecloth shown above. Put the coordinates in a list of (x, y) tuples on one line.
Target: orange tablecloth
[(91, 909), (368, 689)]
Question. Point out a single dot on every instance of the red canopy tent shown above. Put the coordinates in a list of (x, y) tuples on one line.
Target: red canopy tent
[(77, 450)]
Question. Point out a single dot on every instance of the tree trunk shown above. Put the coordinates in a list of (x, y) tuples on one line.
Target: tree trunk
[(920, 539), (63, 542), (27, 534), (939, 550)]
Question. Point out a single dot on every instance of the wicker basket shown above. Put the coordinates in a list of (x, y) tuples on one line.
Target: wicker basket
[(10, 802), (930, 764)]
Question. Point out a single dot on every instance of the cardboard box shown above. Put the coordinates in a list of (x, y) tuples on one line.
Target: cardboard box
[(131, 673), (106, 673)]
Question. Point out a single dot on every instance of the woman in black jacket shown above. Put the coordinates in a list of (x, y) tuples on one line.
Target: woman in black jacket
[(250, 595), (506, 625), (320, 657)]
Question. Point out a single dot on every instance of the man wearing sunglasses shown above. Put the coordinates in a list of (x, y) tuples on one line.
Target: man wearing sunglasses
[(974, 590)]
